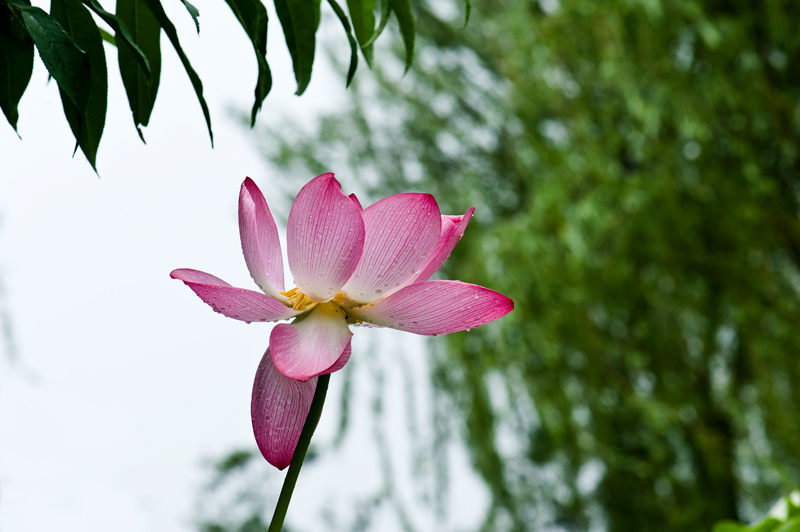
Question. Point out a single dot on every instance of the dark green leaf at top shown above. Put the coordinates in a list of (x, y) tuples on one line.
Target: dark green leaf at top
[(86, 124), (146, 33), (66, 62), (169, 28), (405, 19), (123, 34), (194, 13), (385, 11), (353, 43), (362, 14), (16, 63), (299, 19), (252, 15)]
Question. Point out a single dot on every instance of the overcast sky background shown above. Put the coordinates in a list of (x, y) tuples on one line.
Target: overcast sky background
[(123, 384)]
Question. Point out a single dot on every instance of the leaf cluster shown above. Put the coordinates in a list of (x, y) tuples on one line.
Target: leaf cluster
[(70, 46)]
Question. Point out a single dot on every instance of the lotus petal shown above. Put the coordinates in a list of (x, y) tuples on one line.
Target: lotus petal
[(236, 303), (436, 307), (279, 409), (312, 345), (325, 237), (260, 243)]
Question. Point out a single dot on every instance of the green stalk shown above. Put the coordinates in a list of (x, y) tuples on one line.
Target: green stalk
[(300, 453)]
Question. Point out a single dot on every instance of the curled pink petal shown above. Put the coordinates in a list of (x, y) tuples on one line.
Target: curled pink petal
[(402, 232), (342, 360), (436, 307), (354, 199), (260, 244), (452, 230), (236, 303), (312, 345), (325, 237), (279, 409), (187, 275)]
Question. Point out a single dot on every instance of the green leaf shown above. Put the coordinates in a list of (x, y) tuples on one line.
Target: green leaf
[(792, 525), (468, 10), (122, 33), (353, 43), (405, 19), (193, 11), (767, 525), (252, 15), (107, 37), (172, 34), (16, 64), (384, 20), (299, 19), (86, 124), (146, 32), (729, 526), (67, 63), (362, 14)]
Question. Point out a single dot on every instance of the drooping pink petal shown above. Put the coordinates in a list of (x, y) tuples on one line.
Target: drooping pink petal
[(452, 230), (325, 237), (401, 234), (260, 244), (279, 409), (436, 307), (236, 303), (312, 345), (342, 360)]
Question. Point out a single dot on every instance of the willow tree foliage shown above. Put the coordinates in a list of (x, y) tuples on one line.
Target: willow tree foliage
[(70, 44), (636, 176)]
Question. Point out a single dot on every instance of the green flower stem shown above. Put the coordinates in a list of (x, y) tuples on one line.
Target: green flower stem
[(300, 453)]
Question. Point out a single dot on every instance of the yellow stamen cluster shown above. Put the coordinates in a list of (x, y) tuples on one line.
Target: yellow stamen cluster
[(297, 299)]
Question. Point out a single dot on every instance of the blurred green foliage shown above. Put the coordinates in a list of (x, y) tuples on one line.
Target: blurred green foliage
[(634, 166), (239, 497)]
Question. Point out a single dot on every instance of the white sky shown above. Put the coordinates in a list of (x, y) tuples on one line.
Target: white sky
[(125, 383)]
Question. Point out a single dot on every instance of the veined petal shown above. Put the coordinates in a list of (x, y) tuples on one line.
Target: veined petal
[(354, 199), (312, 345), (236, 303), (279, 409), (436, 307), (401, 234), (342, 360), (452, 230), (325, 238), (260, 244)]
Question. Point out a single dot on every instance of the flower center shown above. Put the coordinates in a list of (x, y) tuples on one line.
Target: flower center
[(298, 300)]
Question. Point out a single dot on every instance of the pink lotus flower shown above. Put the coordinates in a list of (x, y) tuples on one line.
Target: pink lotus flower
[(351, 266)]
